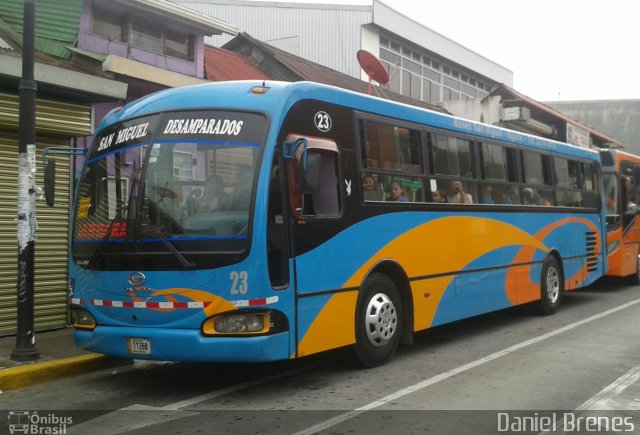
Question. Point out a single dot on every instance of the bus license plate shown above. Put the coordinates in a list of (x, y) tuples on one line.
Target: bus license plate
[(140, 346)]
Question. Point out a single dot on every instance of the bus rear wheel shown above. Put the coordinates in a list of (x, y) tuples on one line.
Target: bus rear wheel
[(378, 321), (551, 286)]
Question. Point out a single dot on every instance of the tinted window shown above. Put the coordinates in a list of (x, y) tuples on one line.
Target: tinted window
[(389, 147), (533, 173), (452, 156), (494, 162)]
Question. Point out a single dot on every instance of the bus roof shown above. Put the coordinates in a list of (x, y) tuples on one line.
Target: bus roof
[(280, 96), (623, 155)]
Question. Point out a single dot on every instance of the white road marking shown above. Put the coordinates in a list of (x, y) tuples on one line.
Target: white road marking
[(123, 420), (127, 419), (610, 398), (234, 388), (456, 371)]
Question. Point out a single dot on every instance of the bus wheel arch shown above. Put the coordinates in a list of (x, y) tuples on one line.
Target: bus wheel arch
[(551, 283), (384, 313), (399, 277)]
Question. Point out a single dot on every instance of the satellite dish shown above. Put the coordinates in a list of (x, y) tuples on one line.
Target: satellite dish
[(373, 68)]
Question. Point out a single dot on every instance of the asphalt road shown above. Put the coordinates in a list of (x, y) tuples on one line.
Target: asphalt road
[(512, 371)]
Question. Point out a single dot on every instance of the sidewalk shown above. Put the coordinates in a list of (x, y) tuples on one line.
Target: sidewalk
[(59, 357)]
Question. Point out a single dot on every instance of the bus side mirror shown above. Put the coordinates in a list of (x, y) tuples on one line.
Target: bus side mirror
[(303, 163), (311, 172), (50, 182)]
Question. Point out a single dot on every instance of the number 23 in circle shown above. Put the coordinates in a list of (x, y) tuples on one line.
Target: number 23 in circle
[(323, 121), (239, 284)]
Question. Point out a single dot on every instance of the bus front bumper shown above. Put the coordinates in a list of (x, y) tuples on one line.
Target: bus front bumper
[(183, 345)]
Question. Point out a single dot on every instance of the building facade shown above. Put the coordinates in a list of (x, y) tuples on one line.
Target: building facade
[(422, 64), (620, 118), (508, 108)]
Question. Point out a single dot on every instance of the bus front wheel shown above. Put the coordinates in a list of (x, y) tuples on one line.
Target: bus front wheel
[(378, 321), (551, 286)]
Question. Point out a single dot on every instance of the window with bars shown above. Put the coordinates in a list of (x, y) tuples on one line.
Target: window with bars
[(142, 33)]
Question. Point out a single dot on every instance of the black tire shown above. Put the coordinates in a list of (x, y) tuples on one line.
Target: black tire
[(378, 321), (551, 286)]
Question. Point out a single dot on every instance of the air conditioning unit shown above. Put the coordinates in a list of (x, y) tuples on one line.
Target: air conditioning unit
[(515, 114)]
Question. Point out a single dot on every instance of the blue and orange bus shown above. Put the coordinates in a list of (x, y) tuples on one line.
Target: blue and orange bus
[(251, 221), (621, 180)]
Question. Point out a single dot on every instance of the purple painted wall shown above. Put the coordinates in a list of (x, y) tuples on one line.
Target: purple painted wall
[(98, 44), (136, 88)]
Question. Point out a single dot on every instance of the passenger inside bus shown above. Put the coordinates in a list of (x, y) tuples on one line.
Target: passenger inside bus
[(396, 193), (437, 196), (529, 197), (512, 196), (630, 207), (368, 182), (214, 197), (457, 195), (241, 196), (487, 197)]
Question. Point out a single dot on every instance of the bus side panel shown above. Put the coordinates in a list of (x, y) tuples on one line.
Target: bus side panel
[(628, 251), (333, 321), (458, 265), (615, 252)]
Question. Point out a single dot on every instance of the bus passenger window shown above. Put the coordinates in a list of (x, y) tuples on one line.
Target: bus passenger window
[(452, 156), (372, 189), (569, 182), (390, 147), (533, 168)]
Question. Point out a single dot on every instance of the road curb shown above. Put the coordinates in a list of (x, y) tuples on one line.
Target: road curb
[(36, 373)]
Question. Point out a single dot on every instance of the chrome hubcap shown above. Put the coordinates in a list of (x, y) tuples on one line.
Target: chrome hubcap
[(553, 285), (381, 320)]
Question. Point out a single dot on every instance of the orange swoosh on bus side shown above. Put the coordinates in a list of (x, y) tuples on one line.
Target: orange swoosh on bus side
[(520, 288), (424, 250), (427, 250)]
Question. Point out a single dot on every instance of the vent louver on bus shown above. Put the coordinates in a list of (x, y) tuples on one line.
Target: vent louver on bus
[(592, 257)]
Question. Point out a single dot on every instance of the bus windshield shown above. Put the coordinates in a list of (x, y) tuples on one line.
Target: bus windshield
[(169, 188)]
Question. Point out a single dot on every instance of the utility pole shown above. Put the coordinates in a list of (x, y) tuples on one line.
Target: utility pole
[(25, 349)]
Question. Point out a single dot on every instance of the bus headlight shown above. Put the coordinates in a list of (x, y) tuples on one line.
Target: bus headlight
[(82, 319), (237, 323)]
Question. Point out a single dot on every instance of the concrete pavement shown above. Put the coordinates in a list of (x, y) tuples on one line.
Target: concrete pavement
[(59, 357)]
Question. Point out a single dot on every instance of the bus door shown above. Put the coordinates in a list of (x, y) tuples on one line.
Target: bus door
[(630, 194), (316, 207)]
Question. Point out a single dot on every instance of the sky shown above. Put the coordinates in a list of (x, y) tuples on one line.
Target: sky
[(558, 50)]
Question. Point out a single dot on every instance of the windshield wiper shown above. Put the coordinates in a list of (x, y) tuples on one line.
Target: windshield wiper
[(103, 242), (181, 258)]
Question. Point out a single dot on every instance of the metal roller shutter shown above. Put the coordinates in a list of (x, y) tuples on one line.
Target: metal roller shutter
[(53, 118), (50, 281), (56, 122)]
